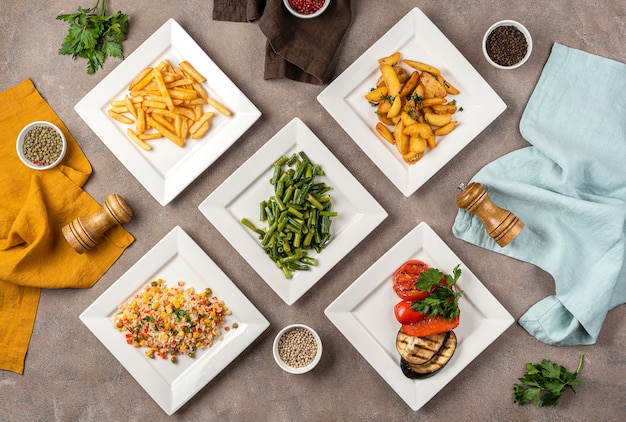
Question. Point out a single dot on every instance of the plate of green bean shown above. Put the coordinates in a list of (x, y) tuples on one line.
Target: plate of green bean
[(292, 233)]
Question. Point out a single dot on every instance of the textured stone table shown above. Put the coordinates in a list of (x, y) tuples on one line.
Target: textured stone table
[(70, 376)]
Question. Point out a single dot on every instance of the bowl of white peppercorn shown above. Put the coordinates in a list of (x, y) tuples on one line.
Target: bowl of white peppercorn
[(41, 145), (297, 349), (507, 44)]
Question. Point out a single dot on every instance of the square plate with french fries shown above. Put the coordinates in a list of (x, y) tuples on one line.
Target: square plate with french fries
[(411, 102), (167, 112)]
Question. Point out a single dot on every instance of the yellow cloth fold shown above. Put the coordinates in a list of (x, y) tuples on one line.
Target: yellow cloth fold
[(35, 205)]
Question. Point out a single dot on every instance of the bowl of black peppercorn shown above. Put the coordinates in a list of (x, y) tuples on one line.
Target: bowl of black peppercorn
[(507, 44)]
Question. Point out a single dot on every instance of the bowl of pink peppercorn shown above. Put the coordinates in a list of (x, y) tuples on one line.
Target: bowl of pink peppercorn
[(306, 9)]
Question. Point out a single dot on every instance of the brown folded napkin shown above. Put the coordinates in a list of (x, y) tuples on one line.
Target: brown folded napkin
[(35, 206), (237, 10), (297, 49)]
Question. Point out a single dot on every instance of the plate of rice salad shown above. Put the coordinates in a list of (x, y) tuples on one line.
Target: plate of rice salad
[(175, 290)]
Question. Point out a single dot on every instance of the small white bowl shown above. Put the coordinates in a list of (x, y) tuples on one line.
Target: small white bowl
[(20, 145), (522, 29), (306, 16), (297, 370)]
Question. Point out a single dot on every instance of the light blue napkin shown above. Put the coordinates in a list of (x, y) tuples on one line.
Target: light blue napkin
[(569, 188)]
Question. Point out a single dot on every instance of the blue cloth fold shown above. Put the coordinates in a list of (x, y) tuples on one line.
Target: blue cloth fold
[(569, 188)]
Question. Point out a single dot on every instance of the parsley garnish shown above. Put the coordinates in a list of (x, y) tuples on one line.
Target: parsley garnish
[(544, 383), (93, 35), (443, 300)]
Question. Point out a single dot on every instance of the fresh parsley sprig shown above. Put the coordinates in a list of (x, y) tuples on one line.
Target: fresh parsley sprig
[(93, 35), (544, 383), (443, 300)]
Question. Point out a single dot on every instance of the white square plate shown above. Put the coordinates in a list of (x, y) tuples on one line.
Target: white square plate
[(417, 38), (240, 195), (167, 169), (364, 315), (176, 257)]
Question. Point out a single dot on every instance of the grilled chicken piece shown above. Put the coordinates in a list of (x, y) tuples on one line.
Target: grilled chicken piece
[(438, 361), (419, 350)]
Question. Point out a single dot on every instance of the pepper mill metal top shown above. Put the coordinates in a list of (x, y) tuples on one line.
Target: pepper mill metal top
[(84, 233), (502, 225)]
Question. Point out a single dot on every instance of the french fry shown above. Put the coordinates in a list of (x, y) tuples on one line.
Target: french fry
[(219, 107), (120, 117), (204, 118), (165, 132), (201, 130), (448, 86), (140, 123), (187, 67), (166, 101), (133, 137), (140, 76), (158, 78)]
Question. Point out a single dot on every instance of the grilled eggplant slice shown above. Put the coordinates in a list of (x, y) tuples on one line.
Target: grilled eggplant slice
[(419, 350), (438, 361)]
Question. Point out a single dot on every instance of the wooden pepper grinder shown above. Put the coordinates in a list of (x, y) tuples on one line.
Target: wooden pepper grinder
[(84, 233), (502, 225)]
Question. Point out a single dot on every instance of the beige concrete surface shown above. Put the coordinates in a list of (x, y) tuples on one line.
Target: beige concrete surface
[(71, 376)]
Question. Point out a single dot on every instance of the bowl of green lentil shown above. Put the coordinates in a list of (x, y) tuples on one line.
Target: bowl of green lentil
[(41, 145), (297, 349), (507, 44)]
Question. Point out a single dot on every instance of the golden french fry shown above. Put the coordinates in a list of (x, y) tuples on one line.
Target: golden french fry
[(149, 136), (445, 129), (422, 67), (428, 102), (204, 128), (133, 137), (169, 134), (166, 101), (139, 77), (392, 59), (140, 123), (187, 67), (144, 81), (182, 93), (219, 107), (391, 80), (204, 118), (385, 133), (120, 117), (407, 120), (154, 104), (158, 78)]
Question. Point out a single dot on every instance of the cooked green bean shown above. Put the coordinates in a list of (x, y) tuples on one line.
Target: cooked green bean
[(297, 216)]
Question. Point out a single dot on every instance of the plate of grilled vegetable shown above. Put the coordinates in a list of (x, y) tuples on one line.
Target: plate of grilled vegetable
[(419, 316)]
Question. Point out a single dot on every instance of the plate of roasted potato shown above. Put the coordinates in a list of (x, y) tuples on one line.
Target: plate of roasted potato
[(167, 112), (411, 102)]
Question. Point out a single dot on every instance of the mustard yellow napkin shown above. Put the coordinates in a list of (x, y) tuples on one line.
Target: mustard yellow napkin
[(35, 206)]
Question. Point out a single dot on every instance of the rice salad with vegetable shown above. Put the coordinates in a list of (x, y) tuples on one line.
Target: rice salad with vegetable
[(172, 321)]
